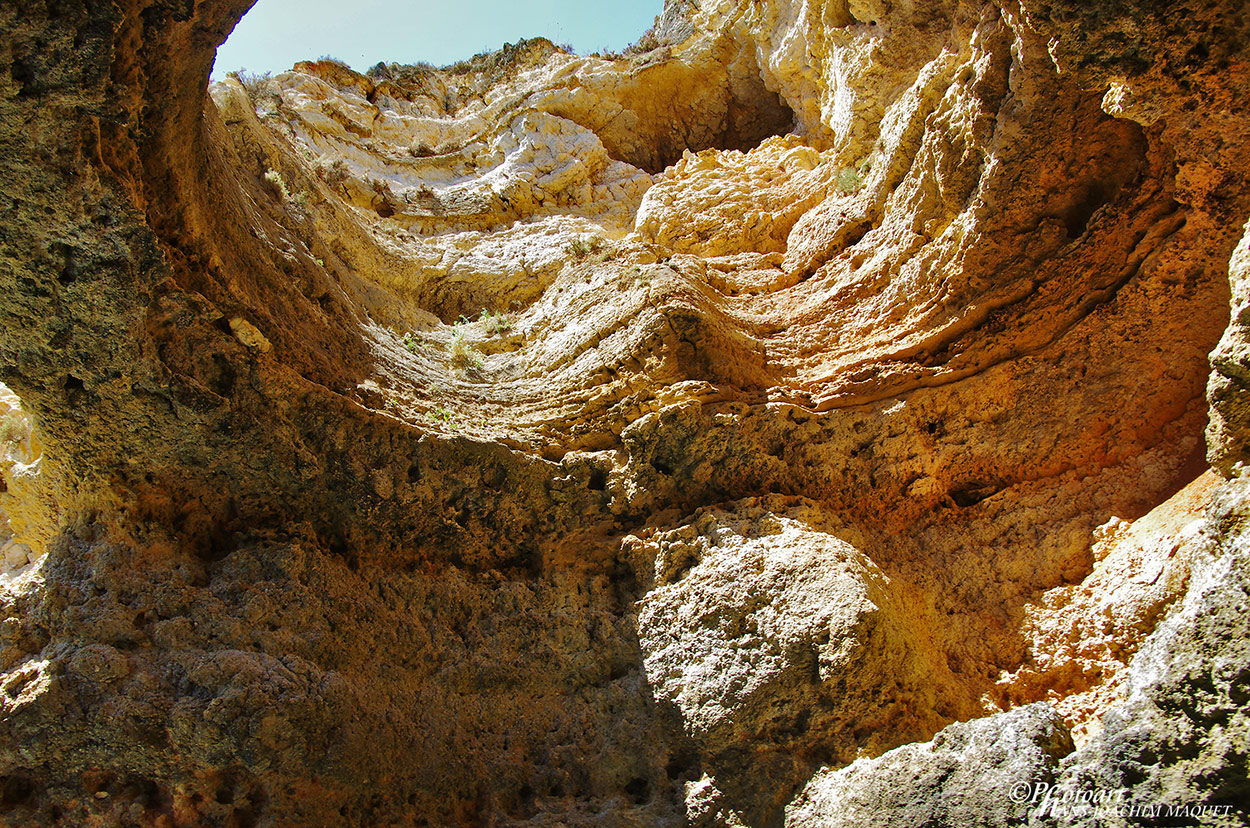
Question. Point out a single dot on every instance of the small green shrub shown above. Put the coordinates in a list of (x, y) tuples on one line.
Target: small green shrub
[(848, 180), (333, 173), (277, 185), (584, 246), (257, 85), (441, 415), (463, 353), (412, 343), (648, 42), (495, 323)]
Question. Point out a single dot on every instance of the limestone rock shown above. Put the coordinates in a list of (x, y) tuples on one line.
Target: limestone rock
[(247, 333), (1146, 762), (1082, 637), (1229, 363), (1177, 743), (982, 772), (764, 628)]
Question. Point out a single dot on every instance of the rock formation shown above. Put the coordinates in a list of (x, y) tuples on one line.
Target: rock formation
[(836, 414)]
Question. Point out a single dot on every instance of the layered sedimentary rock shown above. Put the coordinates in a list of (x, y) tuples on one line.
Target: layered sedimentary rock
[(806, 419)]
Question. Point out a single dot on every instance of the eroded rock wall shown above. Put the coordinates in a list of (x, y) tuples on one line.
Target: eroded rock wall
[(655, 439)]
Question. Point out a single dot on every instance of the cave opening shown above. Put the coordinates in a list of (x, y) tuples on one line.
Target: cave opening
[(670, 106), (752, 114), (276, 34)]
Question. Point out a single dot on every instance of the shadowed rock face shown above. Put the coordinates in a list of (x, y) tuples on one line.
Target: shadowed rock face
[(652, 440)]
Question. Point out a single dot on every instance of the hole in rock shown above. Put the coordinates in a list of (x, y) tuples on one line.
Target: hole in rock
[(67, 262), (494, 477), (683, 764), (97, 781), (1114, 160), (674, 107), (24, 76), (659, 107), (16, 790), (221, 376), (639, 790), (1077, 218), (276, 34), (972, 493)]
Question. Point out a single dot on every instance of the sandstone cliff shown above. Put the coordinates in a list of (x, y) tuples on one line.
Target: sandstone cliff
[(834, 415)]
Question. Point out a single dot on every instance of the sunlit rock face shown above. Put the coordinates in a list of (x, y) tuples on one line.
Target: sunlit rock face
[(799, 420)]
